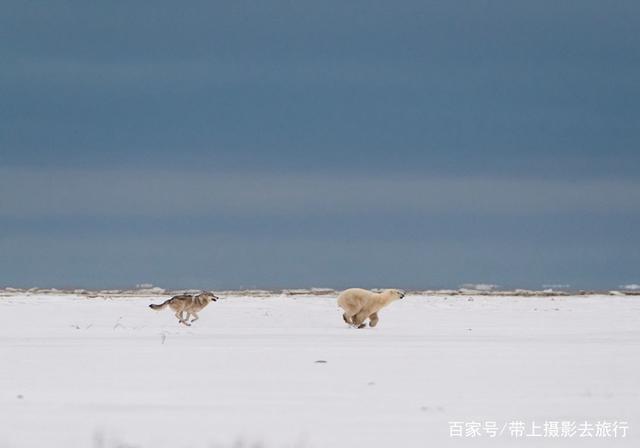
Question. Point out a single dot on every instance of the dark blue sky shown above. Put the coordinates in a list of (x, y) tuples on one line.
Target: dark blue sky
[(286, 144)]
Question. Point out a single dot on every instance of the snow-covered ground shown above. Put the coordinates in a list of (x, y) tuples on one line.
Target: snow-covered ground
[(287, 372)]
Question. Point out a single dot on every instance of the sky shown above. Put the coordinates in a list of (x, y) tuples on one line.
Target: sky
[(409, 144)]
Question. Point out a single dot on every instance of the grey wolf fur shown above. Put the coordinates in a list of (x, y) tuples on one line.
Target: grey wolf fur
[(361, 304), (187, 304)]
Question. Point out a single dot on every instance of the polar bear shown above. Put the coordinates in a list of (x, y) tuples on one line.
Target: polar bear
[(359, 304)]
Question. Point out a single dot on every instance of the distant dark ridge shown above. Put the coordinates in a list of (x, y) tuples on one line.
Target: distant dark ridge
[(156, 291)]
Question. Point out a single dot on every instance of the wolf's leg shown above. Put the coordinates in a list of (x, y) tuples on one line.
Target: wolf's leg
[(358, 319), (373, 320), (195, 317), (181, 319)]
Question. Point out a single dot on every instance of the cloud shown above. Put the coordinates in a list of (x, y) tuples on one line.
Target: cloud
[(33, 193)]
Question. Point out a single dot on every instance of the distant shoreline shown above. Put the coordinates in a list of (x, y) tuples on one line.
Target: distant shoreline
[(156, 291)]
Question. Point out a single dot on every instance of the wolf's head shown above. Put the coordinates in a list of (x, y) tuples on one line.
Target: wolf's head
[(208, 296)]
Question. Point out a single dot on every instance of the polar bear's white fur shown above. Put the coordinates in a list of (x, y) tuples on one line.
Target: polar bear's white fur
[(359, 304)]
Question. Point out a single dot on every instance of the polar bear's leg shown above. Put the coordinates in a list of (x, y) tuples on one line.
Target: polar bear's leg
[(358, 319), (346, 318), (373, 320)]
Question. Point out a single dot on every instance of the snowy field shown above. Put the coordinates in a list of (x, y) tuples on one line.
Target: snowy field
[(287, 372)]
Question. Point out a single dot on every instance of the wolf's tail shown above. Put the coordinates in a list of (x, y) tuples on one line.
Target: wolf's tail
[(159, 307)]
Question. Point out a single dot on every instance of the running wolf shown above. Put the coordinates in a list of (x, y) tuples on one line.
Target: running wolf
[(186, 303)]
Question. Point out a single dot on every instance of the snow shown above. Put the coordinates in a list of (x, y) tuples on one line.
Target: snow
[(479, 286), (105, 373)]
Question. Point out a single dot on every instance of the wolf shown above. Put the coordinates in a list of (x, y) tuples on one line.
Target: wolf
[(186, 303), (359, 304)]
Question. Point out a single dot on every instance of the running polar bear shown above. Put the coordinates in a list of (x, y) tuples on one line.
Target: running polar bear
[(359, 304)]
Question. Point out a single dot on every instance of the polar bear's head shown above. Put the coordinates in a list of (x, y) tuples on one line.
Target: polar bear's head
[(397, 294)]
